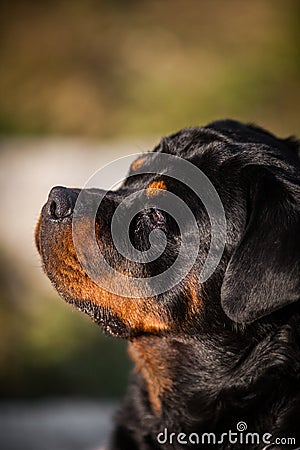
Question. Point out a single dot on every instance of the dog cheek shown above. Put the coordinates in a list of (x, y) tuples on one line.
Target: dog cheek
[(73, 284)]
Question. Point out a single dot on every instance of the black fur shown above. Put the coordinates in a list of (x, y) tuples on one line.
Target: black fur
[(248, 369), (237, 357)]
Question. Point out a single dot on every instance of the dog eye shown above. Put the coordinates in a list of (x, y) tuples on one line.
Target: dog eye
[(156, 216), (147, 220), (142, 225)]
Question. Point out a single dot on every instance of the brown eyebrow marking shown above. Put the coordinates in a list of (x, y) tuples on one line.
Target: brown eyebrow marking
[(138, 163), (155, 187)]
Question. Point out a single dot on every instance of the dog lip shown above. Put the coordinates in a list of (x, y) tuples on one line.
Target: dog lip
[(51, 222), (37, 236)]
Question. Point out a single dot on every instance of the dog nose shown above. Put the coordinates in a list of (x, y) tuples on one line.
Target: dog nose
[(61, 202)]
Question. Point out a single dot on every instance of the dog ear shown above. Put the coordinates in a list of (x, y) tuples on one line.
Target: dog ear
[(263, 274)]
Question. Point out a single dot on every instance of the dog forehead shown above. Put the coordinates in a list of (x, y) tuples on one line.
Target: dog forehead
[(176, 145), (208, 148)]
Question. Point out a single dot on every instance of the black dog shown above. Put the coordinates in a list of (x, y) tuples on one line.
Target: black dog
[(213, 357)]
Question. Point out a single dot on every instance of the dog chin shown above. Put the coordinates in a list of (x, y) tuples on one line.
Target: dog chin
[(110, 323)]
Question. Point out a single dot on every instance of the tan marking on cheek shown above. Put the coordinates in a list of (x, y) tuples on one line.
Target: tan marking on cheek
[(194, 295), (138, 163), (65, 271), (149, 356), (195, 299), (154, 188)]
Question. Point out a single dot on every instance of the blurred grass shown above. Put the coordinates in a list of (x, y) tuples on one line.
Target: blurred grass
[(48, 348), (121, 68)]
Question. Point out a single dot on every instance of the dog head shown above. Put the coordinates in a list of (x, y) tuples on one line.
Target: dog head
[(257, 179)]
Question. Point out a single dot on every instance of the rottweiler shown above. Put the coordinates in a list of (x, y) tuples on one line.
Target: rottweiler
[(217, 363)]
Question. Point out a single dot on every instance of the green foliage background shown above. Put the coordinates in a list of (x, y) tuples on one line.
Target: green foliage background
[(125, 67)]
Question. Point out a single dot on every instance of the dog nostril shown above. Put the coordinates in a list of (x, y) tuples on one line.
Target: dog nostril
[(52, 208), (61, 203), (58, 211)]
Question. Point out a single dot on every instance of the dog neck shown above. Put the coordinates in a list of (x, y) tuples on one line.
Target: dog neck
[(196, 383)]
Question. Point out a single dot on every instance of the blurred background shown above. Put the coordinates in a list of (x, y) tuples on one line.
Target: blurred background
[(82, 83)]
